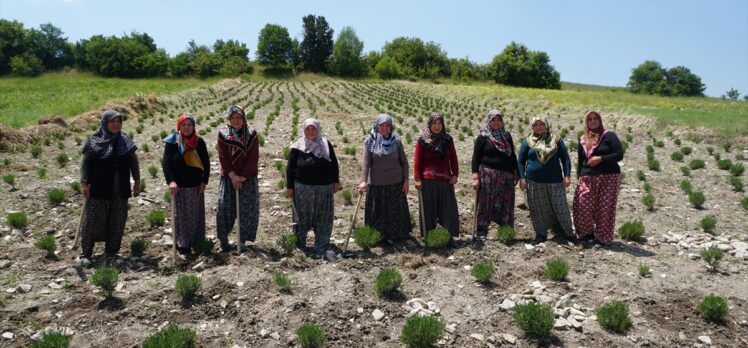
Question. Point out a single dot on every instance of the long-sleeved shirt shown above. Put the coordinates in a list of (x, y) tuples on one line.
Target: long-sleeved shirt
[(308, 169), (609, 149), (175, 169), (486, 154), (531, 169), (385, 170), (110, 178), (427, 165), (245, 166)]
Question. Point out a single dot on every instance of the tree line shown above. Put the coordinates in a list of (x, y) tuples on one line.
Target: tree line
[(30, 52)]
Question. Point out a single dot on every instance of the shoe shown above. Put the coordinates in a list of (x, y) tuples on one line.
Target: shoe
[(225, 247), (573, 240), (452, 243), (85, 261), (539, 239)]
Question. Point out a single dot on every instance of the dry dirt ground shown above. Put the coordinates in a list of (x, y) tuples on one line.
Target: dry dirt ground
[(240, 306)]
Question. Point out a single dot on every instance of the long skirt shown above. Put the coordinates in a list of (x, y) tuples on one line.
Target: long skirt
[(495, 199), (439, 206), (548, 208), (249, 210), (314, 204), (387, 211), (103, 220), (189, 216), (595, 201)]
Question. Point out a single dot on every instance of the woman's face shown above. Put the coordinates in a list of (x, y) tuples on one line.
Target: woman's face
[(593, 121), (186, 128), (310, 132), (538, 127), (115, 125), (437, 127), (384, 129), (236, 121), (495, 123)]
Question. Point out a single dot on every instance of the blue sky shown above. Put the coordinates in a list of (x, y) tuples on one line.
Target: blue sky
[(593, 42)]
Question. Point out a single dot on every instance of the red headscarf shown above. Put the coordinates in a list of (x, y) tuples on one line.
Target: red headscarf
[(190, 142)]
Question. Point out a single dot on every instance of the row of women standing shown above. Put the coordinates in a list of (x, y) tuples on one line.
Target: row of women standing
[(313, 177)]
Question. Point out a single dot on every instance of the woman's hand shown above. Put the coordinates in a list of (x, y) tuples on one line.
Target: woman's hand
[(418, 184), (173, 188), (201, 190), (453, 180), (406, 187), (136, 188), (85, 191), (335, 187), (289, 192), (595, 160), (523, 184), (362, 187), (476, 182), (567, 181), (236, 180)]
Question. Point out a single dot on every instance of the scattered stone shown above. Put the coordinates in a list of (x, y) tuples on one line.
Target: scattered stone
[(24, 288), (55, 286), (575, 311), (275, 336), (199, 267), (536, 284), (240, 284), (561, 324), (8, 335), (706, 340), (216, 297), (377, 314), (264, 333), (507, 304), (509, 338), (574, 323), (529, 246), (478, 337), (359, 310)]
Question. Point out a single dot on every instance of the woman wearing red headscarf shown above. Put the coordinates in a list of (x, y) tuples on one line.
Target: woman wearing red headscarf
[(186, 170), (596, 196)]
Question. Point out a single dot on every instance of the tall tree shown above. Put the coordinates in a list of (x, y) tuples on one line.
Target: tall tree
[(316, 47), (651, 78), (274, 46), (346, 54), (414, 57), (516, 65)]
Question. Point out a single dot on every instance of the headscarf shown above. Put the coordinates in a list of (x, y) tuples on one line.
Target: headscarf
[(546, 144), (104, 144), (318, 146), (500, 138), (438, 142), (239, 140), (378, 144), (591, 137), (186, 144)]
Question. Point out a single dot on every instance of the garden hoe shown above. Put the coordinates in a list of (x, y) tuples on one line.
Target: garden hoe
[(345, 253)]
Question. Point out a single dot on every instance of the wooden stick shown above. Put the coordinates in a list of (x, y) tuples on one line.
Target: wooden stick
[(353, 223)]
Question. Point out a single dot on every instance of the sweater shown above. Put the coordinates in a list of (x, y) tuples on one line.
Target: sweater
[(109, 178), (175, 169), (385, 170), (308, 169), (531, 169), (427, 165), (244, 166), (609, 149), (486, 154)]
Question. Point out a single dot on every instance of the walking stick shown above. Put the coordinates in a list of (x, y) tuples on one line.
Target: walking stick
[(80, 225), (422, 219), (353, 224), (238, 226), (173, 230), (475, 215)]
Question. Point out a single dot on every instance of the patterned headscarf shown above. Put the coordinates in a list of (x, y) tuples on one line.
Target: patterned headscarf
[(591, 137), (186, 144), (435, 142), (239, 140), (378, 144), (500, 138), (103, 144), (546, 144), (318, 146)]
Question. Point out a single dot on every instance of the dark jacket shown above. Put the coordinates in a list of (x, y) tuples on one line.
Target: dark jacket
[(175, 168), (100, 175)]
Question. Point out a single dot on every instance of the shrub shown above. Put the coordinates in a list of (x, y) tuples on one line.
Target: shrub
[(75, 186), (644, 270), (744, 203), (36, 150), (347, 197), (167, 197), (156, 218), (366, 237), (153, 171), (506, 234), (53, 340), (707, 223), (10, 179), (653, 165), (650, 149), (282, 281), (187, 286), (556, 269), (686, 150), (287, 242), (717, 157), (62, 160), (171, 336), (421, 331), (686, 186), (534, 319), (482, 271), (736, 183), (714, 308), (46, 243), (387, 282), (105, 278), (724, 164), (710, 150), (649, 201), (279, 165), (650, 156), (203, 247), (727, 146), (685, 170), (712, 255), (437, 238), (56, 196), (16, 220), (143, 185), (647, 187), (659, 143), (641, 176), (737, 169), (631, 230), (310, 336), (138, 247), (739, 157), (614, 317), (676, 156), (697, 164), (697, 199), (676, 141)]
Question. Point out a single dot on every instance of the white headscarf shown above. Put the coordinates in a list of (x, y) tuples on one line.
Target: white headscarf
[(318, 146)]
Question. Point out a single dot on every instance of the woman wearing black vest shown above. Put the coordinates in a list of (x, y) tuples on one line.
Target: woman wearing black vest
[(108, 161)]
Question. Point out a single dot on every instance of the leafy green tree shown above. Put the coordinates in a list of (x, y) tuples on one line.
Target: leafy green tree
[(651, 78), (463, 70), (388, 68), (12, 43), (370, 61), (732, 94), (346, 54), (134, 55), (516, 65), (316, 47), (49, 45), (682, 82), (416, 58), (274, 46), (26, 64)]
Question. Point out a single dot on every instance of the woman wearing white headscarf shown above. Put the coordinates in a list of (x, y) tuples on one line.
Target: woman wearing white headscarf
[(312, 177), (384, 173)]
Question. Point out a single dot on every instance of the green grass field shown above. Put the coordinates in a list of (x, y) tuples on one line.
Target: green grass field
[(24, 100)]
